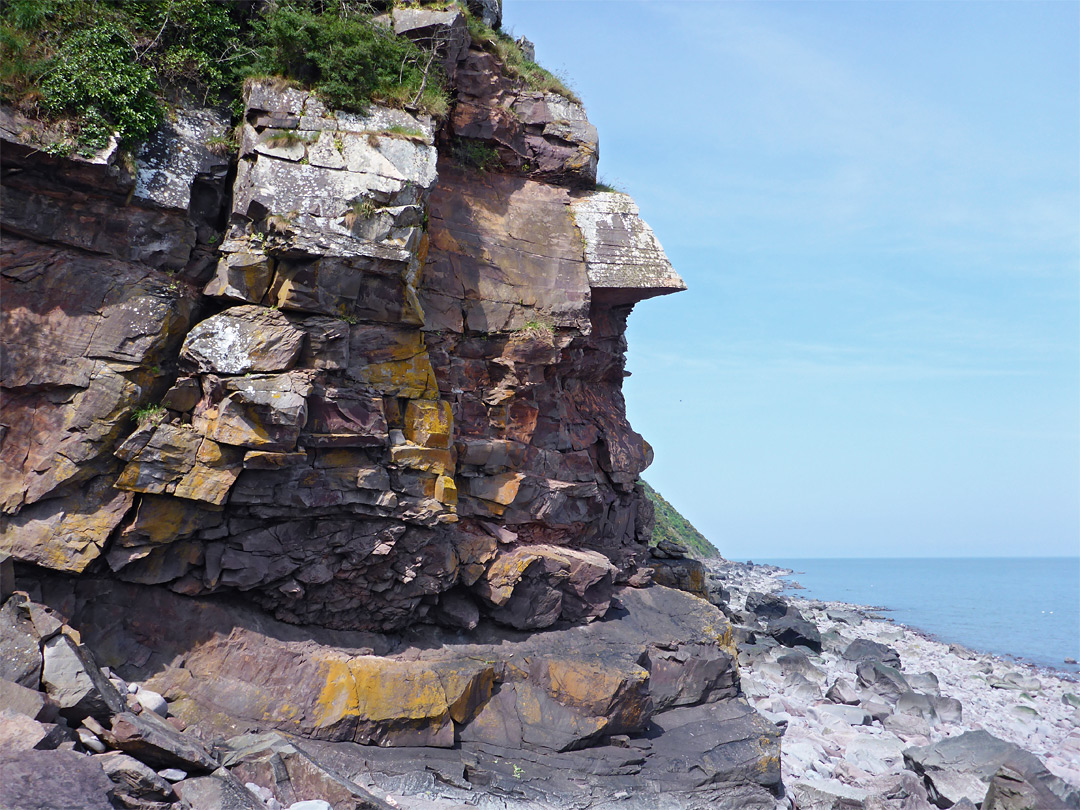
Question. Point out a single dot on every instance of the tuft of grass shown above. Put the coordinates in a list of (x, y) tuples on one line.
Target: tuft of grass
[(513, 59), (288, 137), (536, 329), (404, 132), (150, 415)]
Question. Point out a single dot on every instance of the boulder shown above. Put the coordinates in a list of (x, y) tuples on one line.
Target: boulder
[(151, 739), (794, 631), (28, 702), (20, 655), (961, 767), (883, 680), (766, 606), (19, 732), (842, 692), (1019, 786), (73, 681), (918, 705), (534, 586), (270, 759), (218, 791), (136, 785), (863, 649), (53, 780), (243, 340)]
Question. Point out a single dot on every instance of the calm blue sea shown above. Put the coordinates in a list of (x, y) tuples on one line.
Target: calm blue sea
[(1028, 608)]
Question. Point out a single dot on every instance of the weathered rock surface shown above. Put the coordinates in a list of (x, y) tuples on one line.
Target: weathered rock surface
[(962, 767), (53, 780)]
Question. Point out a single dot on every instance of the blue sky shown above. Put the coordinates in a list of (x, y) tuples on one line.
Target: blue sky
[(876, 206)]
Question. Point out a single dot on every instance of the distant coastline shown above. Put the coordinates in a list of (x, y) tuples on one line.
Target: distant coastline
[(949, 601)]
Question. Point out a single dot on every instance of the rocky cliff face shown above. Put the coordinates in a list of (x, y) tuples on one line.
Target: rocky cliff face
[(344, 375), (392, 374)]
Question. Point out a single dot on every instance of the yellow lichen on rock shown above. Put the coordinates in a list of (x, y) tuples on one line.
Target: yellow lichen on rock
[(430, 424)]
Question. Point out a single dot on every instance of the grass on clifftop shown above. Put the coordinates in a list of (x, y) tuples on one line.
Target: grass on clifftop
[(513, 59), (671, 525), (104, 66)]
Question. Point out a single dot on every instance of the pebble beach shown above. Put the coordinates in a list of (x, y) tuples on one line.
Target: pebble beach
[(848, 721)]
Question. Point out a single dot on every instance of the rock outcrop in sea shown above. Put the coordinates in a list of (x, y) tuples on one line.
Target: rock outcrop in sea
[(317, 471)]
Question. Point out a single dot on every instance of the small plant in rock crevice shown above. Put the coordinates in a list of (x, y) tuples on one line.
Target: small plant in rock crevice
[(474, 154), (150, 415), (508, 52)]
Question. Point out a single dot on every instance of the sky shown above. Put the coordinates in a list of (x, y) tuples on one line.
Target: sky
[(876, 209)]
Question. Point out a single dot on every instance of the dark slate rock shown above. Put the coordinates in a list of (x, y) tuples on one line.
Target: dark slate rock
[(962, 767), (792, 631), (218, 791), (1016, 787), (53, 780), (151, 739), (136, 784), (766, 605), (73, 680), (20, 656), (883, 680), (863, 649)]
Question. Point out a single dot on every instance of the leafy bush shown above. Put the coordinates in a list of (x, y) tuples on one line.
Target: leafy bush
[(94, 77), (475, 154), (348, 60)]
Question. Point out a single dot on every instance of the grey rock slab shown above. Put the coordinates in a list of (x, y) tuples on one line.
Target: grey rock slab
[(883, 680), (19, 732), (830, 713), (793, 631), (218, 791), (949, 710), (621, 252), (151, 700), (53, 780), (842, 691), (20, 655), (828, 794), (766, 605), (1021, 787), (296, 773), (241, 340), (177, 154), (918, 705), (962, 767), (863, 649), (21, 700), (925, 682), (72, 679), (151, 739), (136, 784)]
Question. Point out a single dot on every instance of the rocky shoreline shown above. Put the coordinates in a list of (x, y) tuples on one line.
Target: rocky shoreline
[(876, 714)]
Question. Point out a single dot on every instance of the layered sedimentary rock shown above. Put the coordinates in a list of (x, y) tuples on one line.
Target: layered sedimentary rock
[(399, 372), (346, 378)]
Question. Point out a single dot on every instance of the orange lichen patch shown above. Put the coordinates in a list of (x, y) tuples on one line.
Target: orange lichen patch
[(430, 424), (499, 489), (392, 702), (413, 378), (593, 687), (427, 459), (446, 490)]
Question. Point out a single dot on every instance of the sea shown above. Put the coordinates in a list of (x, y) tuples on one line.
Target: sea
[(1024, 608)]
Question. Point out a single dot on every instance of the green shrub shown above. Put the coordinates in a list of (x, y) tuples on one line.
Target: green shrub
[(95, 78), (348, 60), (475, 154)]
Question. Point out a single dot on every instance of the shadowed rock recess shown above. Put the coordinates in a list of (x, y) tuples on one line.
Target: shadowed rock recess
[(324, 443)]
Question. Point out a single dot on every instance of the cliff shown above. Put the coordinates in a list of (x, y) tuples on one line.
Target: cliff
[(311, 427)]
